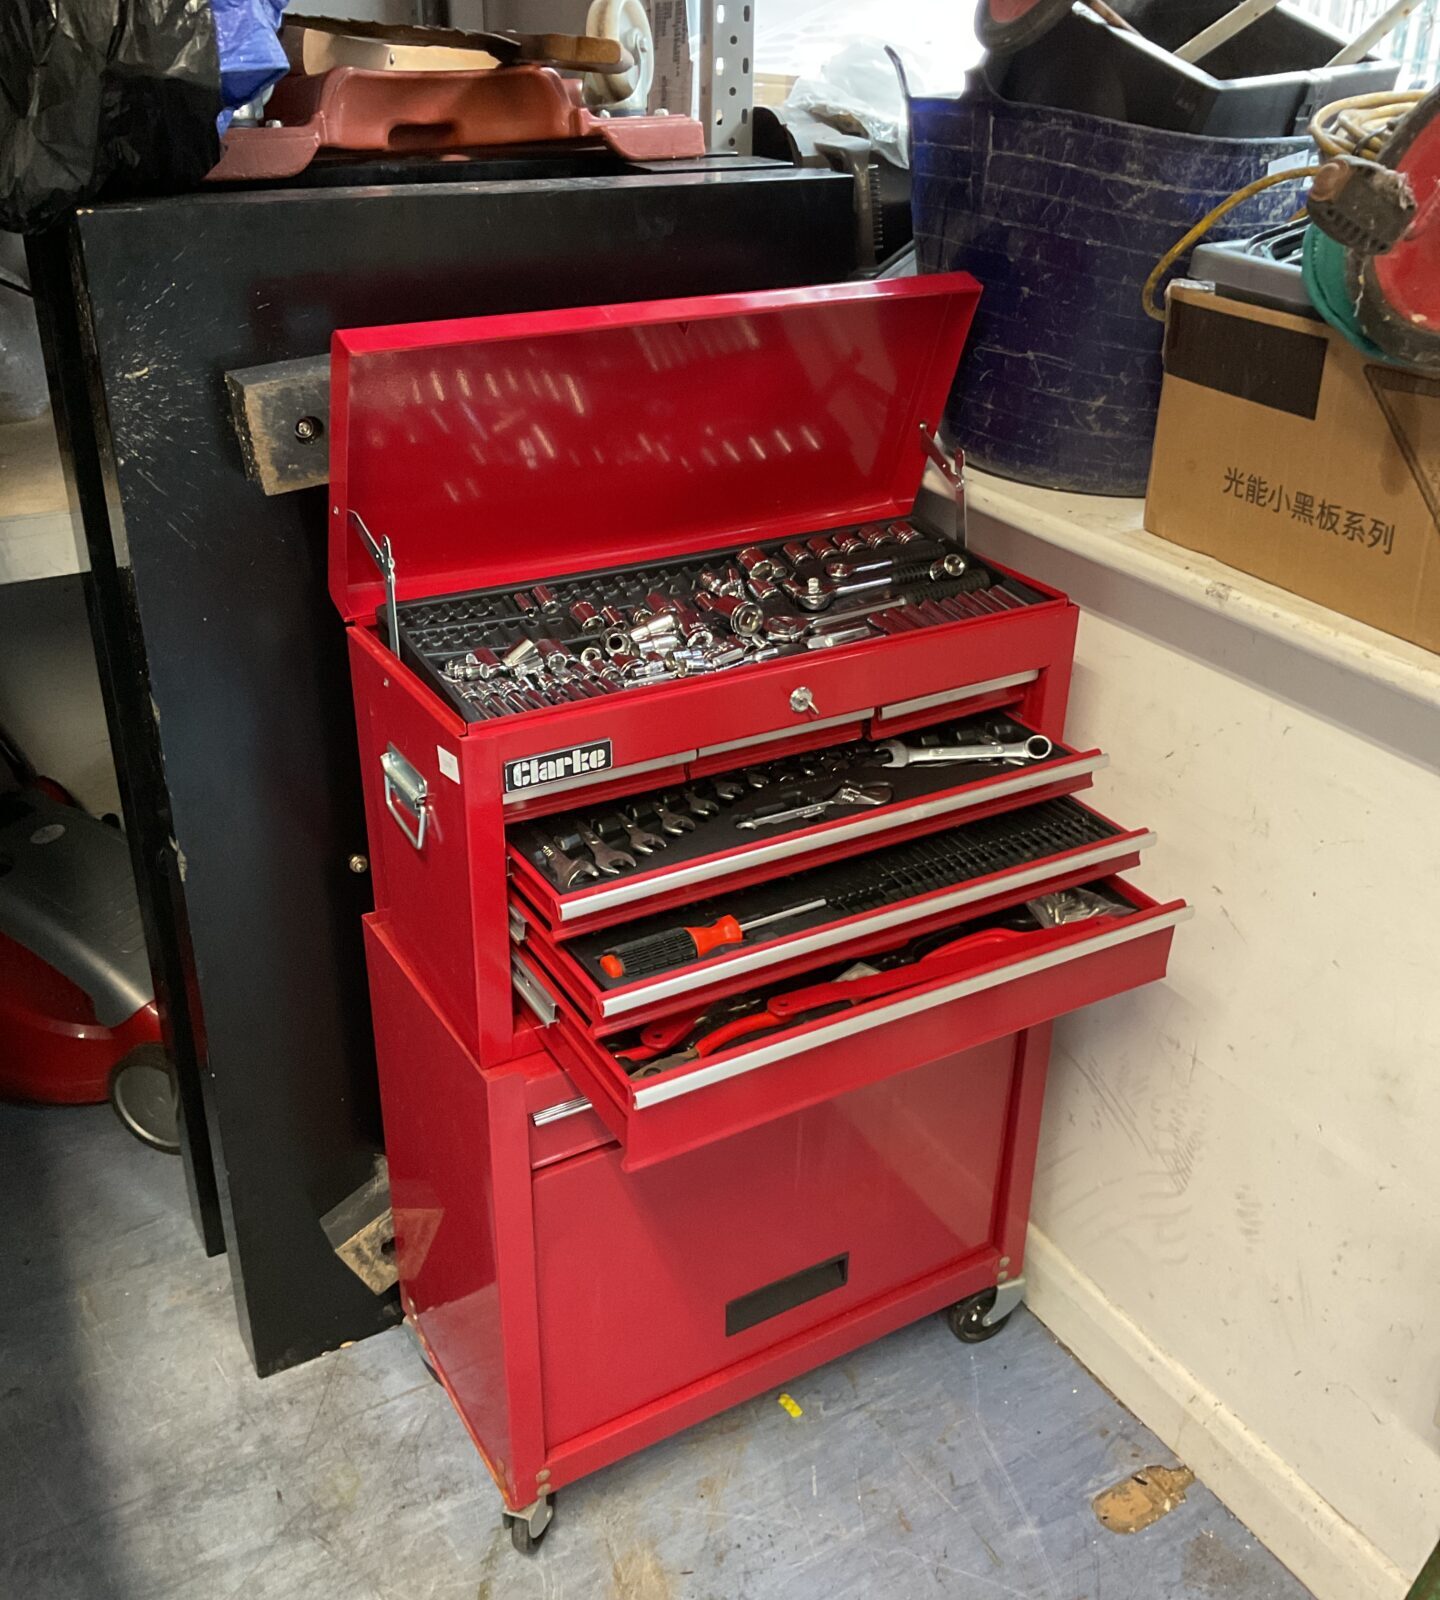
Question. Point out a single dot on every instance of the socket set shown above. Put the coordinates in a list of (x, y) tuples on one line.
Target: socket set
[(668, 940), (497, 653), (769, 799)]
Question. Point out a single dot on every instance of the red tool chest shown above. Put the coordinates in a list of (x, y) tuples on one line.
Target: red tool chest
[(729, 861)]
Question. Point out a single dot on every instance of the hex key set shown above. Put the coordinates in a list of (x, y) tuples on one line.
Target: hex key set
[(499, 652)]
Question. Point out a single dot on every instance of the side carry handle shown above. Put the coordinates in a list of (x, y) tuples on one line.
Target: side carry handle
[(407, 796)]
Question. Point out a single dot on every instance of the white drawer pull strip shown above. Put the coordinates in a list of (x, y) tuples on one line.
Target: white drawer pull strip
[(968, 691), (671, 1088)]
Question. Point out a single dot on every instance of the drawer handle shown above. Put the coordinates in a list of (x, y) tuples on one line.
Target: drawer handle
[(559, 1111), (802, 702), (403, 784)]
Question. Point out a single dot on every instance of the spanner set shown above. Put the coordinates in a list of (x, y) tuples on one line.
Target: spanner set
[(712, 1006), (772, 798)]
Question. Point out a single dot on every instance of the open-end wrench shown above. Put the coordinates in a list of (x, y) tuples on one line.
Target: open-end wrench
[(640, 837), (672, 822), (565, 870), (609, 860), (699, 805), (727, 789), (894, 753), (848, 794)]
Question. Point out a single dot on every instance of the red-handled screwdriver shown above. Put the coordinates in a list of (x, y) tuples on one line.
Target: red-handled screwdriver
[(673, 948)]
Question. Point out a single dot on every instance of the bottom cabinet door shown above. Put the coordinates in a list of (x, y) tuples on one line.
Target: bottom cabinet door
[(651, 1280)]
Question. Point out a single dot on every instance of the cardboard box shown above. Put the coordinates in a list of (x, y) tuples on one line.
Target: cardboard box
[(1284, 451)]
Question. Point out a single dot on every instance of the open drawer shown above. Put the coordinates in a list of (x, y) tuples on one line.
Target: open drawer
[(978, 982), (705, 950), (626, 857)]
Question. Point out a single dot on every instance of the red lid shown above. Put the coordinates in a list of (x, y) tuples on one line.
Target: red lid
[(499, 450)]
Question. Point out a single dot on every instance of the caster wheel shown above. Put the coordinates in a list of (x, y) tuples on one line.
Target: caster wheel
[(965, 1318), (529, 1527), (522, 1538), (142, 1091)]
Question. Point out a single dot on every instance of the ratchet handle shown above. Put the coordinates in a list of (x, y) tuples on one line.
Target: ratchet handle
[(657, 952)]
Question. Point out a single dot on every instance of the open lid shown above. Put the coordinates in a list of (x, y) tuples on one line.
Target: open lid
[(501, 450)]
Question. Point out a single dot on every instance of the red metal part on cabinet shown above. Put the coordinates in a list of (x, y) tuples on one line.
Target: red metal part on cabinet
[(703, 1102), (506, 449), (577, 1312), (448, 902)]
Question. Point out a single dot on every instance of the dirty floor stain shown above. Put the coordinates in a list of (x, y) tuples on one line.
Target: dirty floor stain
[(636, 1574)]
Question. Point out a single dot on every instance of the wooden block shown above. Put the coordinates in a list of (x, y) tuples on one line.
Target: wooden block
[(362, 1233), (282, 419)]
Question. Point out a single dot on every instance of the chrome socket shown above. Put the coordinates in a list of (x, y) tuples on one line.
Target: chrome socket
[(586, 618), (731, 582), (521, 657), (757, 565), (559, 663), (742, 617)]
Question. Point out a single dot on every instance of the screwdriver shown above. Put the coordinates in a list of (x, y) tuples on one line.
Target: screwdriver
[(675, 946)]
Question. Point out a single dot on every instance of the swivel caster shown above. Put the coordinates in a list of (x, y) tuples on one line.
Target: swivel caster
[(981, 1316), (528, 1526)]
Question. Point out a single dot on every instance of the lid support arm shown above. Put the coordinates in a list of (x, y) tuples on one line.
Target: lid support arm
[(940, 503), (381, 555)]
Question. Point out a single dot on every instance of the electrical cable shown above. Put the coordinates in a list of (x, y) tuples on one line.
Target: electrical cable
[(1344, 127), (1201, 228)]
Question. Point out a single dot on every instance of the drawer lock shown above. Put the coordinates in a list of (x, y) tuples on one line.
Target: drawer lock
[(802, 702)]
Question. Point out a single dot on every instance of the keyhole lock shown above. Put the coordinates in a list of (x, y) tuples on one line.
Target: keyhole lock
[(802, 701)]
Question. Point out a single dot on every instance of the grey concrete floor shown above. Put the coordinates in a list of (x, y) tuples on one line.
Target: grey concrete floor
[(141, 1459)]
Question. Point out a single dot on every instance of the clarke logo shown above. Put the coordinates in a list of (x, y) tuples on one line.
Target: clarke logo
[(577, 762)]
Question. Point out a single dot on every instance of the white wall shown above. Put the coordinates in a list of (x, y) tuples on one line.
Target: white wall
[(1236, 1220)]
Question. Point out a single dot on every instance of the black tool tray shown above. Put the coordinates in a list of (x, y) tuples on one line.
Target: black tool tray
[(875, 902), (439, 630), (923, 797)]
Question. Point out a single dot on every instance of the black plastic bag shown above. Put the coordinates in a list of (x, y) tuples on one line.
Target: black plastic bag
[(120, 95)]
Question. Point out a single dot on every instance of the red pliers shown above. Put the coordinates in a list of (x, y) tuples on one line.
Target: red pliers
[(795, 1005)]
